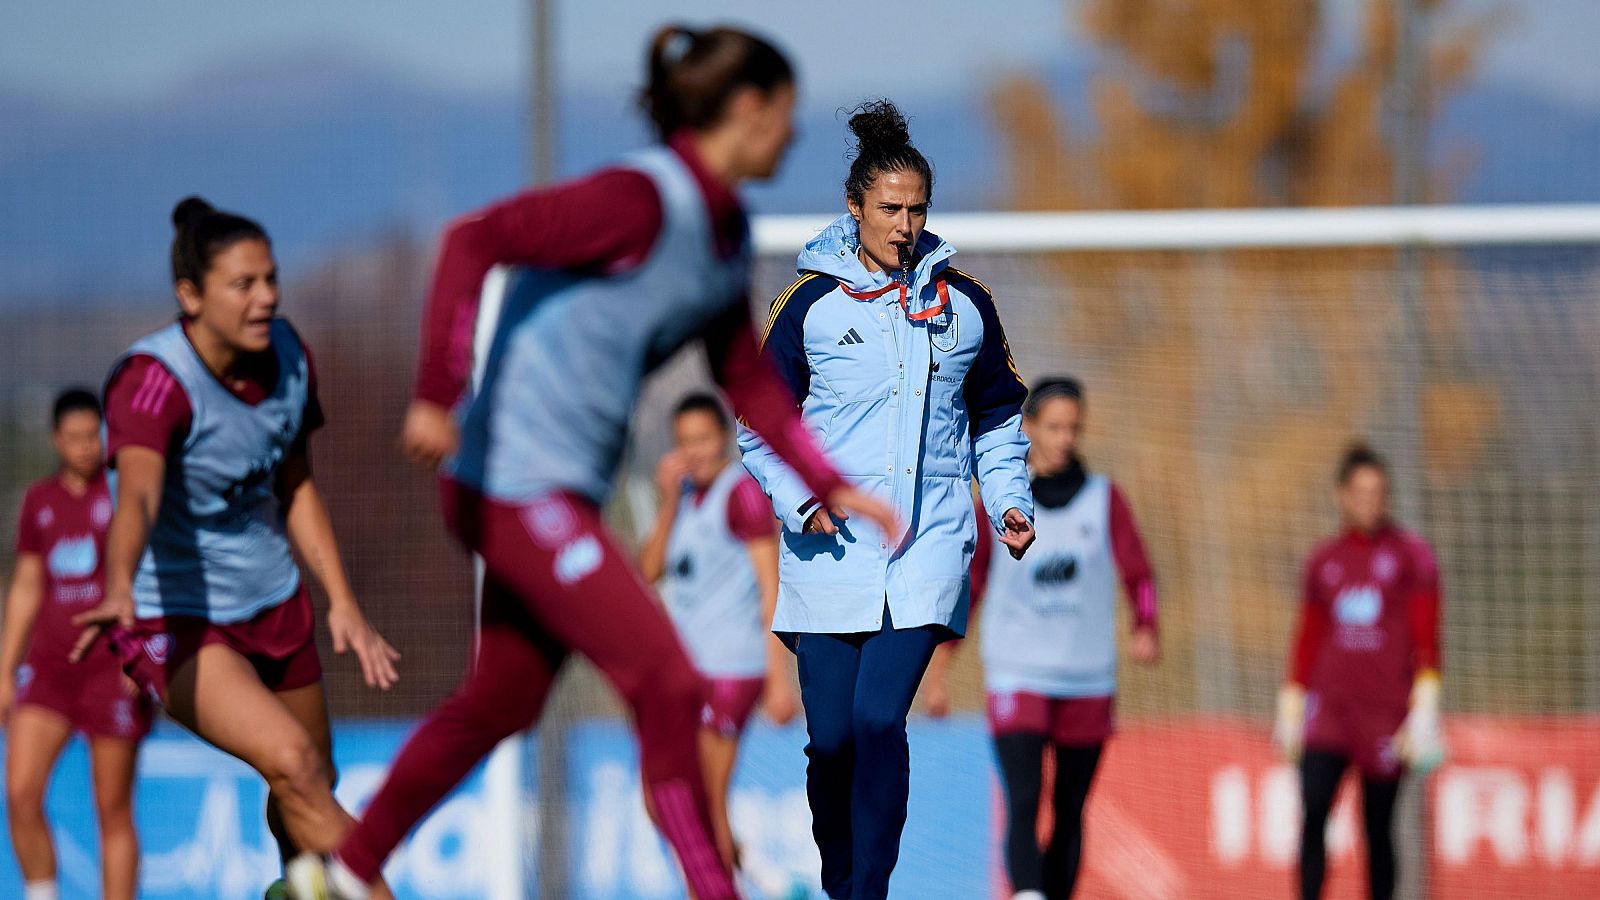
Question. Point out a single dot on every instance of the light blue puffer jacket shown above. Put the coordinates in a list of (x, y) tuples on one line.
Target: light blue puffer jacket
[(909, 409)]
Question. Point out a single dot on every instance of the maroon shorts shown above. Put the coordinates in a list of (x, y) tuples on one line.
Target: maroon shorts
[(729, 703), (279, 642), (1362, 733), (1069, 721), (93, 696)]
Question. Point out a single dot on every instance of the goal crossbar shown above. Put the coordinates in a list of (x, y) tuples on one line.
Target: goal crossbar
[(1369, 226)]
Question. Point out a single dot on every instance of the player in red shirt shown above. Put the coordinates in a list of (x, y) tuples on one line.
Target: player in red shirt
[(60, 571), (1363, 687)]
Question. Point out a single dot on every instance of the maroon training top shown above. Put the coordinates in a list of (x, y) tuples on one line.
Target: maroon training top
[(1369, 618), (68, 532)]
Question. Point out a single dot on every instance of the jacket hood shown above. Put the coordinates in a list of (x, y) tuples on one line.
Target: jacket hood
[(833, 252)]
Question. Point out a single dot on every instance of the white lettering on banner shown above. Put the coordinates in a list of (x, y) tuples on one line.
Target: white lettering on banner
[(1277, 818), (1588, 851), (1522, 819), (1230, 816), (1482, 803), (1557, 813), (1279, 810), (1565, 839)]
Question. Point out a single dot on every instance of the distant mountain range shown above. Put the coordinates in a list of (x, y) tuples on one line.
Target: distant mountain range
[(330, 155)]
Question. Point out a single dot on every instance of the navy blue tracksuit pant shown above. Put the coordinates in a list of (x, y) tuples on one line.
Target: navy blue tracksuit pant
[(857, 690)]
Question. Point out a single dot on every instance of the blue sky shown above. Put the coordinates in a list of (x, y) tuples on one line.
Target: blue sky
[(396, 114), (91, 50), (75, 51)]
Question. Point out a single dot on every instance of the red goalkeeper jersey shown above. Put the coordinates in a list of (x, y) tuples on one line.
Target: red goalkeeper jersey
[(1369, 619)]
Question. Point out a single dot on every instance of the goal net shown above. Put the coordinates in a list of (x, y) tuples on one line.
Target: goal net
[(1229, 358)]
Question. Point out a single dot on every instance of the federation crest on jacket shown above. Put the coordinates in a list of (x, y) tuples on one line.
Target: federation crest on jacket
[(927, 399), (944, 331)]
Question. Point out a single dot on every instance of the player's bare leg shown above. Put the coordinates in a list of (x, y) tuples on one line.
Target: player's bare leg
[(309, 706), (34, 740), (219, 696), (718, 753), (112, 763)]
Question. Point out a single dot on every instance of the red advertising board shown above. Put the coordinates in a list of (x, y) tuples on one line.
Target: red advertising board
[(1202, 808)]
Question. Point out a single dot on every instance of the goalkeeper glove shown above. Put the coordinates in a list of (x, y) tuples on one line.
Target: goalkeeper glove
[(1289, 732), (1420, 740)]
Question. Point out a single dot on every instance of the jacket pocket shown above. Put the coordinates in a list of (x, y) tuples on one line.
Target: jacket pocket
[(857, 434)]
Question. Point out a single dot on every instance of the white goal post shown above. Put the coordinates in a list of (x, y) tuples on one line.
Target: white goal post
[(1368, 226)]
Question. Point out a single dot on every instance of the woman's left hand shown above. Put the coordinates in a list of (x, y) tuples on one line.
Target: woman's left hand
[(1019, 533), (351, 632)]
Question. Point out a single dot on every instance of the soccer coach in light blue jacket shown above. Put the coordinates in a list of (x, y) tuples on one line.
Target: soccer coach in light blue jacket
[(901, 367)]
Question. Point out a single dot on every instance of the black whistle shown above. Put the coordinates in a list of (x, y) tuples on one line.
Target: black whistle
[(905, 257)]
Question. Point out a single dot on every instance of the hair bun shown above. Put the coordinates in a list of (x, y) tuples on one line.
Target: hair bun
[(189, 209), (880, 124)]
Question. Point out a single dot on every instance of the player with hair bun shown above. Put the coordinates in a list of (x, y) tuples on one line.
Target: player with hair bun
[(619, 270), (209, 422), (900, 361), (1363, 685)]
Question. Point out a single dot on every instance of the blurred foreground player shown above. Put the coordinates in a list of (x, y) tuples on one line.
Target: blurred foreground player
[(1049, 641), (714, 554), (209, 421), (61, 543), (620, 269), (1363, 687)]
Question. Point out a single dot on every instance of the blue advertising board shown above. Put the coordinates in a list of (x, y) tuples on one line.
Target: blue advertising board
[(203, 834), (199, 814)]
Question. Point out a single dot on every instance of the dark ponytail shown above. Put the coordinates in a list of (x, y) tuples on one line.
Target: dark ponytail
[(1359, 456), (883, 144), (200, 232), (693, 73)]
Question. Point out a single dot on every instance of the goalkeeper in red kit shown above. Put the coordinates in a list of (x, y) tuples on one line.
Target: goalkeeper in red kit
[(1363, 686)]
